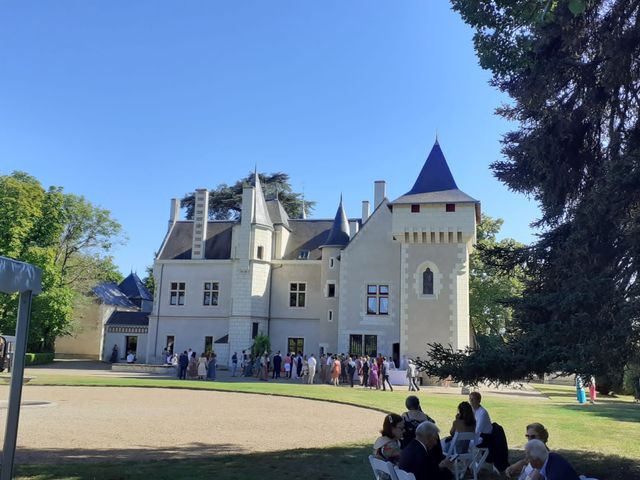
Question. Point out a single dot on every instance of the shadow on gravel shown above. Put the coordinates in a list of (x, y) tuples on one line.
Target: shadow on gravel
[(200, 461)]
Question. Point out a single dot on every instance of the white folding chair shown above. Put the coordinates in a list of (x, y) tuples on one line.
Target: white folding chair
[(402, 475), (382, 470), (469, 457)]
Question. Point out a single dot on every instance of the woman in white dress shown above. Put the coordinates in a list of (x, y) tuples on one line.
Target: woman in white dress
[(202, 367)]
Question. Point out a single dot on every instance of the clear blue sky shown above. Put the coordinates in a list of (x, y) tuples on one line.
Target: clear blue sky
[(132, 103)]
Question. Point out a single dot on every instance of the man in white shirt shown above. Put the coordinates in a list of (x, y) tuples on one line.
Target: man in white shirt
[(311, 363), (483, 421)]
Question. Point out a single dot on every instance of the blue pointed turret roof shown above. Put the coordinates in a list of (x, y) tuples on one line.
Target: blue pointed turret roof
[(133, 288), (340, 233), (435, 183)]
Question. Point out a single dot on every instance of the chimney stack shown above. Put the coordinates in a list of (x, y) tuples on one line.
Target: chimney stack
[(174, 212), (365, 210), (200, 222), (380, 192)]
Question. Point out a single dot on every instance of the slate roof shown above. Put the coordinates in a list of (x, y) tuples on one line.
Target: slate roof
[(129, 318), (133, 287), (339, 235), (109, 294), (277, 213), (180, 238), (435, 183)]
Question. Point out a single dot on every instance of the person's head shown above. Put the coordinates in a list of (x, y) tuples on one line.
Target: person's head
[(465, 413), (474, 399), (393, 426), (536, 453), (536, 431), (427, 433), (412, 403)]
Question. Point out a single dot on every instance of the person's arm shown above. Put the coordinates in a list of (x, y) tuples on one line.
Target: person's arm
[(516, 469)]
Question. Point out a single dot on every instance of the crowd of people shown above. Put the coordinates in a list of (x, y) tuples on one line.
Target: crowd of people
[(333, 369), (191, 367), (412, 442)]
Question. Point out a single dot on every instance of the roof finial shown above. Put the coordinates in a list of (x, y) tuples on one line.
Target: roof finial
[(304, 213), (437, 142)]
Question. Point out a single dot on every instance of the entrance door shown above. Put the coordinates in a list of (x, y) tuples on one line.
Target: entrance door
[(295, 345), (396, 354), (131, 346)]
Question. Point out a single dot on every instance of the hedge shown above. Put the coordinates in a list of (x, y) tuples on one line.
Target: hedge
[(38, 358)]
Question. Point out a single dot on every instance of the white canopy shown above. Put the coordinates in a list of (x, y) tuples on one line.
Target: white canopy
[(19, 277)]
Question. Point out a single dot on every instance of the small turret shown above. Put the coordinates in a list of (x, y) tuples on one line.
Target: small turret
[(340, 233)]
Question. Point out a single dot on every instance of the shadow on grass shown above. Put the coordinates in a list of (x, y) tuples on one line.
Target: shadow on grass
[(621, 411), (212, 461)]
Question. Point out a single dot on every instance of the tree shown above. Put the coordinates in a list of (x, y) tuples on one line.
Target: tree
[(572, 70), (148, 280), (491, 289), (67, 238), (225, 202)]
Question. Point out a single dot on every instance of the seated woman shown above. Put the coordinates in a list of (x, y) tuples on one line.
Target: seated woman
[(465, 422), (522, 468), (413, 417), (387, 446)]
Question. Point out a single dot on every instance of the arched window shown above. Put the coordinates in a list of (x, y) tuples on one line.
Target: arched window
[(427, 282)]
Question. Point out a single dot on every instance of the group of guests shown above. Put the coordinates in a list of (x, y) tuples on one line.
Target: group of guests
[(412, 442), (192, 367), (333, 369)]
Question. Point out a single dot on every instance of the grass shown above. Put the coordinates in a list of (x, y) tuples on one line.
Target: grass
[(600, 440)]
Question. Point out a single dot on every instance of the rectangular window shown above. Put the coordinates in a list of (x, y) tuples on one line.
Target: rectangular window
[(356, 345), (295, 345), (297, 294), (377, 299), (330, 315), (415, 208), (371, 345), (331, 262), (254, 329), (210, 295), (451, 207), (208, 344), (260, 253), (363, 345), (331, 290), (176, 294), (303, 255)]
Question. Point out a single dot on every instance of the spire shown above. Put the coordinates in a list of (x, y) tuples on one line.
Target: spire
[(435, 175), (260, 212), (340, 233)]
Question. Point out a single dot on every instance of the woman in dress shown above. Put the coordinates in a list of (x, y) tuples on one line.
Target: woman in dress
[(464, 422), (365, 372), (202, 367), (305, 370), (211, 367), (373, 375), (287, 366), (387, 445), (335, 372), (592, 389), (582, 398), (192, 368)]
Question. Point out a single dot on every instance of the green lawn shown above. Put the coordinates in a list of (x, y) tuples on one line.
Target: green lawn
[(601, 440)]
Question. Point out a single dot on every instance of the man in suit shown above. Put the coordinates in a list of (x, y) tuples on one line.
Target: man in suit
[(422, 457), (547, 465), (183, 363), (277, 364)]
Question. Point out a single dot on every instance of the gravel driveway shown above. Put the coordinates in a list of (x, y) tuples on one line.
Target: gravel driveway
[(88, 424)]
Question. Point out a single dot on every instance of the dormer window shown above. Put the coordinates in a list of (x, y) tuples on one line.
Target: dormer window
[(415, 208), (451, 207), (303, 255)]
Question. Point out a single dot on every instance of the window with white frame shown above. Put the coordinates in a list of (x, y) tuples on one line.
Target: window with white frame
[(210, 293), (331, 289), (297, 294), (377, 299), (177, 293)]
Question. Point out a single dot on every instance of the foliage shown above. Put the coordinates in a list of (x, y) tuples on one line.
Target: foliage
[(67, 238), (490, 287), (261, 344), (39, 358), (148, 280), (572, 70), (225, 201)]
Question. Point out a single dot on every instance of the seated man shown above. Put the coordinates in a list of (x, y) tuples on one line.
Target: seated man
[(547, 465), (483, 421), (423, 458)]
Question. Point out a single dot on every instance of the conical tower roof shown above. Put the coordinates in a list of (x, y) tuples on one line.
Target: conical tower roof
[(260, 211), (340, 233), (133, 288), (435, 183)]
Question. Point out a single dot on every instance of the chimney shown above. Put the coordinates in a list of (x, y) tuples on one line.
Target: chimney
[(365, 210), (380, 191), (174, 212), (200, 221)]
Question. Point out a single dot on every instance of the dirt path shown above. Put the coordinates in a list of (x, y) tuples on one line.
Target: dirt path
[(107, 423)]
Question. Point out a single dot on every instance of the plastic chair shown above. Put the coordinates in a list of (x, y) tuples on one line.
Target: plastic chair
[(469, 457), (402, 475), (382, 470)]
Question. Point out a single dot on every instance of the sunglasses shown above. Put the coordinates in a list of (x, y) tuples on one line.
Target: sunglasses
[(531, 437)]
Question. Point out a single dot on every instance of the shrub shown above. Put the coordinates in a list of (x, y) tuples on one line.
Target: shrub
[(38, 358)]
